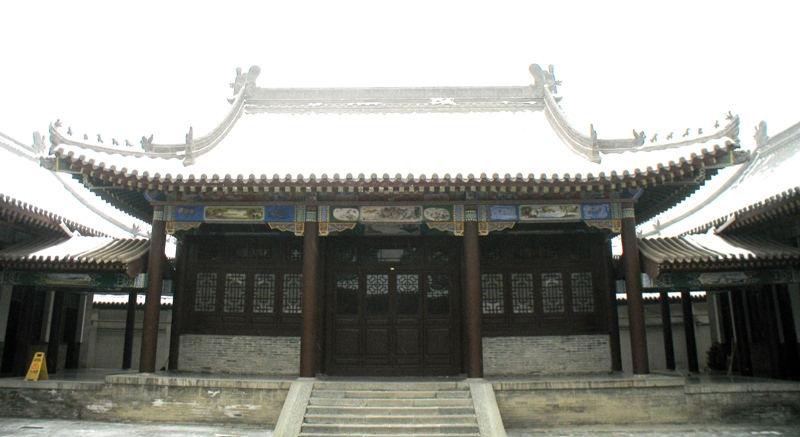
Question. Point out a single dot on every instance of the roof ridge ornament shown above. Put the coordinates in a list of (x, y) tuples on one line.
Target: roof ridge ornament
[(245, 80), (761, 136), (544, 78)]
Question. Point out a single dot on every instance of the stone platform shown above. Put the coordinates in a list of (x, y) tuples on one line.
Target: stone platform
[(237, 400)]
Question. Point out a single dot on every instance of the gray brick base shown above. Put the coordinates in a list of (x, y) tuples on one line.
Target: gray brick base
[(240, 354), (550, 355)]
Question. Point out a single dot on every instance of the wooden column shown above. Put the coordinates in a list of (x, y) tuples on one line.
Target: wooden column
[(56, 331), (613, 314), (666, 323), (308, 338), (130, 325), (152, 302), (178, 309), (789, 333), (633, 289), (742, 341), (773, 335), (25, 329), (688, 329), (472, 300)]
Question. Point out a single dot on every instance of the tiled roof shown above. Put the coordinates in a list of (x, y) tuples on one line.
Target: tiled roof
[(370, 138), (704, 251), (15, 211), (765, 187), (77, 252), (27, 187)]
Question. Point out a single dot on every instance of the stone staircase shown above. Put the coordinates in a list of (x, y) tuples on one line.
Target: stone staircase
[(350, 408)]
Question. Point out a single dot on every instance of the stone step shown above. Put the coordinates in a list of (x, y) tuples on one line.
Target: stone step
[(394, 386), (385, 411), (347, 419), (471, 434), (391, 394), (377, 402), (383, 430)]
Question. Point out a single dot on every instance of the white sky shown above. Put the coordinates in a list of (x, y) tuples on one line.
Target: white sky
[(140, 68)]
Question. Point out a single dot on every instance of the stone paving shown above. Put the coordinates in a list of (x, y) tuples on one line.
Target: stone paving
[(71, 428)]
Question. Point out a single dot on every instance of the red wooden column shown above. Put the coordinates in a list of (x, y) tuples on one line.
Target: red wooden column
[(688, 329), (308, 339), (633, 288), (472, 300), (130, 325), (666, 325), (152, 302)]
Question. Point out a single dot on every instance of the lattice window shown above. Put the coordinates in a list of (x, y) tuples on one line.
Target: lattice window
[(522, 251), (205, 297), (294, 253), (292, 293), (407, 294), (548, 251), (438, 294), (490, 253), (394, 254), (233, 302), (264, 293), (582, 292), (346, 294), (261, 252), (552, 293), (377, 294), (522, 293), (347, 253), (492, 293)]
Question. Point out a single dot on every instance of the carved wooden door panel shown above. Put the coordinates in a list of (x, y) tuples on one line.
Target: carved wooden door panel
[(393, 320)]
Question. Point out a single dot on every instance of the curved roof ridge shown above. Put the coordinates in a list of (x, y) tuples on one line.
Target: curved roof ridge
[(186, 151), (730, 130)]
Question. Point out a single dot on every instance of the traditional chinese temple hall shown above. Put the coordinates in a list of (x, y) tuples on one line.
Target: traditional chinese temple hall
[(445, 242)]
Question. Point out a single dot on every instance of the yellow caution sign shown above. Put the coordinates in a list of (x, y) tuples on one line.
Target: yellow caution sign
[(38, 369)]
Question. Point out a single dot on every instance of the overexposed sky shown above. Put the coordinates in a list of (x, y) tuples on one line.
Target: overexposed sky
[(136, 68)]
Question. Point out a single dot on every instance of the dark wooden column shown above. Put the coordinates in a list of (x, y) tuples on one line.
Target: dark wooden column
[(130, 325), (740, 325), (56, 331), (613, 313), (666, 323), (773, 336), (472, 300), (25, 329), (633, 289), (178, 309), (152, 302), (688, 329), (308, 337), (789, 334)]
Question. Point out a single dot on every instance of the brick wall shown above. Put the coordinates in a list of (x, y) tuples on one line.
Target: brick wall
[(240, 354), (549, 355)]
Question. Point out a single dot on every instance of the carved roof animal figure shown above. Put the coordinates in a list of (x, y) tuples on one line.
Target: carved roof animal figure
[(669, 137), (99, 139), (654, 139), (128, 143), (69, 131), (686, 134), (716, 124)]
